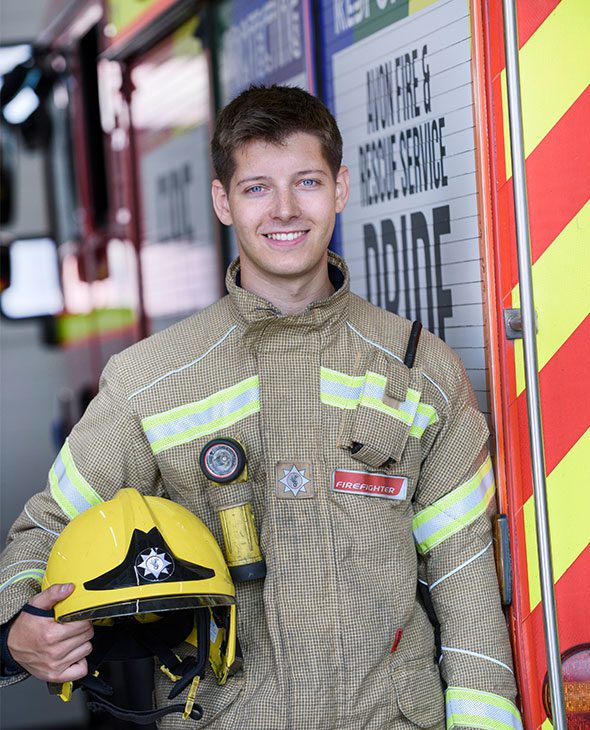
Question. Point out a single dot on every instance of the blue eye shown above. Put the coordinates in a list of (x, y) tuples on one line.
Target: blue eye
[(309, 182)]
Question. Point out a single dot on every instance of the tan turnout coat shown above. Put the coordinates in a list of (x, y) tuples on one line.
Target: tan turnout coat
[(334, 637)]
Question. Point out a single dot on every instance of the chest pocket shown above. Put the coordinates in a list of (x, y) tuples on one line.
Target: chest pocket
[(383, 411)]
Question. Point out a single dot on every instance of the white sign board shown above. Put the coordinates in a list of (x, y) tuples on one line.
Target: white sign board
[(410, 232)]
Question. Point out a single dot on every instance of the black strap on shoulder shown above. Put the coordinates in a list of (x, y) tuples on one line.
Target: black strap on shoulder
[(34, 611), (410, 355), (140, 717)]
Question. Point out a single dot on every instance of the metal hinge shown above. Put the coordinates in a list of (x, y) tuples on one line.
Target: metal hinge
[(503, 556), (513, 324)]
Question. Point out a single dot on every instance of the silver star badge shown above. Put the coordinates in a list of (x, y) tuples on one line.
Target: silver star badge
[(154, 564), (294, 480)]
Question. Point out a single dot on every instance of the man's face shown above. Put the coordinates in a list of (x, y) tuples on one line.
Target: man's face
[(282, 202)]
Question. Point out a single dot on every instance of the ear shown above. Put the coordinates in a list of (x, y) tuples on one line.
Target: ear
[(221, 202), (342, 188)]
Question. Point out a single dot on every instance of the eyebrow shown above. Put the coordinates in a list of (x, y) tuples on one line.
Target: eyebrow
[(263, 178), (311, 172), (260, 178)]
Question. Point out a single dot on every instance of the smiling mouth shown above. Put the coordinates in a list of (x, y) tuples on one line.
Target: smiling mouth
[(285, 237)]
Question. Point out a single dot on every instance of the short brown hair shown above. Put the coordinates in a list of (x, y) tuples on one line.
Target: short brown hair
[(271, 114)]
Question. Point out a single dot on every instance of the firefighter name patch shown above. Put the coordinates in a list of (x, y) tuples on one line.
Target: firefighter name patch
[(370, 484)]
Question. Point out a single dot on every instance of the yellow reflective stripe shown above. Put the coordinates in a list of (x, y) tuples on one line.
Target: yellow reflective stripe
[(64, 504), (342, 378), (347, 392), (375, 379), (214, 413), (482, 710), (457, 509), (68, 487), (211, 427), (379, 405), (36, 574), (425, 416), (190, 409), (568, 507), (373, 393), (340, 390), (560, 286), (564, 36), (337, 401)]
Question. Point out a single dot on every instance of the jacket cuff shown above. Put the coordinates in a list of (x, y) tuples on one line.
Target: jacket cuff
[(470, 708), (8, 666)]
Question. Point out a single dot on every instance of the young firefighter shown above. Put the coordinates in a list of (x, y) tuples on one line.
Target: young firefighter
[(364, 471)]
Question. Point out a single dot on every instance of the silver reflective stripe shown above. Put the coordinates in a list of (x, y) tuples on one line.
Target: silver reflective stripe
[(455, 510), (39, 525), (202, 419), (193, 420), (422, 420), (68, 487), (396, 357), (348, 392), (23, 562), (471, 708), (372, 390), (23, 575)]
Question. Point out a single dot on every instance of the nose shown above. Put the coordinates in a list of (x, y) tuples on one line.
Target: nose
[(285, 204)]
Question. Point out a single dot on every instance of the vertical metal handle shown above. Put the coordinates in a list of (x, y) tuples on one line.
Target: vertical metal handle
[(531, 365)]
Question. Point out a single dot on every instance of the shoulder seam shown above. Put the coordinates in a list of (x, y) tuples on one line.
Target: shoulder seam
[(182, 367), (396, 357)]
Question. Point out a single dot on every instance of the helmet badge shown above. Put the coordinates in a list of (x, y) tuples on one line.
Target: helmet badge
[(154, 565)]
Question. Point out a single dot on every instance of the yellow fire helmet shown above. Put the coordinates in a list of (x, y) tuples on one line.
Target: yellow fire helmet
[(149, 575)]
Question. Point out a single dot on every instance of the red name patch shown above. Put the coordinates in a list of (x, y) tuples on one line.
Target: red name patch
[(369, 484)]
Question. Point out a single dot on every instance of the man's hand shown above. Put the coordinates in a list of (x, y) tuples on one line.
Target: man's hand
[(50, 651)]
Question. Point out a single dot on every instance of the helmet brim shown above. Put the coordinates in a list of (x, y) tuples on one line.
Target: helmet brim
[(154, 604)]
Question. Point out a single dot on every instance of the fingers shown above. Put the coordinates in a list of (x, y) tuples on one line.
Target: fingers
[(71, 667), (73, 672), (75, 656), (52, 595), (62, 649), (57, 633), (49, 650)]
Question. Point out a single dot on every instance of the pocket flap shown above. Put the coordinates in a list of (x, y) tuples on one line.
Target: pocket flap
[(398, 379), (420, 696), (387, 406), (233, 494)]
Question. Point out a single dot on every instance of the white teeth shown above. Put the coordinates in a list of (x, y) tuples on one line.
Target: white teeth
[(285, 236)]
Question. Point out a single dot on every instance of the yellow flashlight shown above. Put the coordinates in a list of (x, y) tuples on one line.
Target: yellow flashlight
[(223, 461)]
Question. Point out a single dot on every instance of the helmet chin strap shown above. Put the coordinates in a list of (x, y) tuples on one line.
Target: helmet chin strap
[(140, 640), (142, 717)]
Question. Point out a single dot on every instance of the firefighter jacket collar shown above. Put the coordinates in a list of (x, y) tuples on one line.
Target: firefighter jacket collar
[(258, 316)]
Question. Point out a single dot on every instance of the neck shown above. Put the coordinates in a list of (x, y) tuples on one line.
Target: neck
[(289, 295)]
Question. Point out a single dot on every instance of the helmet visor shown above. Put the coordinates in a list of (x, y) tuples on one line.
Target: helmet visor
[(147, 605)]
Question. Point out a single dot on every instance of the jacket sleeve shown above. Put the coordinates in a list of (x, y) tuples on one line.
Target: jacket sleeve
[(454, 502), (105, 451)]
